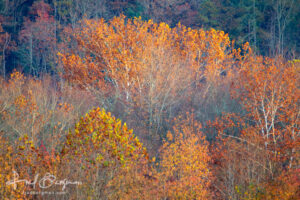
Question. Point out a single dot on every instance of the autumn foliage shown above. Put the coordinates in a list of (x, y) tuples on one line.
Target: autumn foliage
[(184, 168), (261, 143), (141, 110), (145, 68), (105, 150)]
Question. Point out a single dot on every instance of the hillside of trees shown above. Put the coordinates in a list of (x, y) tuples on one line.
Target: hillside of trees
[(150, 99)]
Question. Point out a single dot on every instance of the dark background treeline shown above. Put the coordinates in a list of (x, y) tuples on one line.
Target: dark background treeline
[(32, 31)]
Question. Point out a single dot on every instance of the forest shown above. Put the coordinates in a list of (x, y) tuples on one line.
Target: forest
[(150, 99)]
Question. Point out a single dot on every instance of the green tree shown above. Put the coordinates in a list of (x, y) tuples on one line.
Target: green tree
[(105, 152)]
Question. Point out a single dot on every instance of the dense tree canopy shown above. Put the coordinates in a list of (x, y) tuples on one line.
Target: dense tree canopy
[(149, 99), (271, 27)]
